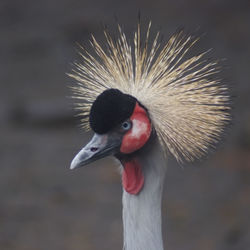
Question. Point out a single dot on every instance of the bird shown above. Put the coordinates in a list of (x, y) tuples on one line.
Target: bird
[(146, 100)]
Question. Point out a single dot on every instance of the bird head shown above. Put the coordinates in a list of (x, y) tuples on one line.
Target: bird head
[(122, 128), (132, 92)]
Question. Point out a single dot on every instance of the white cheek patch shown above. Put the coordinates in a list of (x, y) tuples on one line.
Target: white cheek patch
[(139, 128)]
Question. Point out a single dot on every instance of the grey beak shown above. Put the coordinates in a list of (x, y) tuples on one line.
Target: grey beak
[(99, 147)]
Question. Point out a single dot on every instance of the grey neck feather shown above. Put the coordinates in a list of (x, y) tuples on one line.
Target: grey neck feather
[(142, 222)]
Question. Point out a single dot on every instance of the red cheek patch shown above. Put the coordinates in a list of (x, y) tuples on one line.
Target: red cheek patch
[(140, 132)]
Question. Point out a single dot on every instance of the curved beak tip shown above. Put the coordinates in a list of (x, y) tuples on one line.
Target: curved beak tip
[(73, 164)]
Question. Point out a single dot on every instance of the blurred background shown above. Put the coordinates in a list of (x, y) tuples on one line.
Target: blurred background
[(43, 204)]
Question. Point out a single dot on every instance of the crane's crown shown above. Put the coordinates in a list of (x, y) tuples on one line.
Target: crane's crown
[(187, 104), (109, 109)]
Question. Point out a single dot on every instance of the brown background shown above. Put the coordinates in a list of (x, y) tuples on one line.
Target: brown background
[(43, 205)]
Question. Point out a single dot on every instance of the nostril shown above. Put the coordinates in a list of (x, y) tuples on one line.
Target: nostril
[(93, 149)]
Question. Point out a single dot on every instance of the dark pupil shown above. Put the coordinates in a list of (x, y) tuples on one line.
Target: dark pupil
[(125, 125)]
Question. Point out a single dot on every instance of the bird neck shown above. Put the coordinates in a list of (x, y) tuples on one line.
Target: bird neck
[(142, 222)]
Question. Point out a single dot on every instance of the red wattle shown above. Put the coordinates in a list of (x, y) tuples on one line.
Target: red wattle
[(132, 176)]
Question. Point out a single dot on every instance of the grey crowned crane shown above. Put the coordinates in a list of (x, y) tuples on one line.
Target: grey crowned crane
[(144, 102)]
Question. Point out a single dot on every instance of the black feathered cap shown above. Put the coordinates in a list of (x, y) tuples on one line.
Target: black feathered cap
[(109, 109)]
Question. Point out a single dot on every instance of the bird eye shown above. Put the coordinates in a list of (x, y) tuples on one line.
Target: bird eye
[(126, 125)]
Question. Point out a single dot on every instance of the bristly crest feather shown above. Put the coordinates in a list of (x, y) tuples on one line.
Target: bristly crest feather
[(187, 106)]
